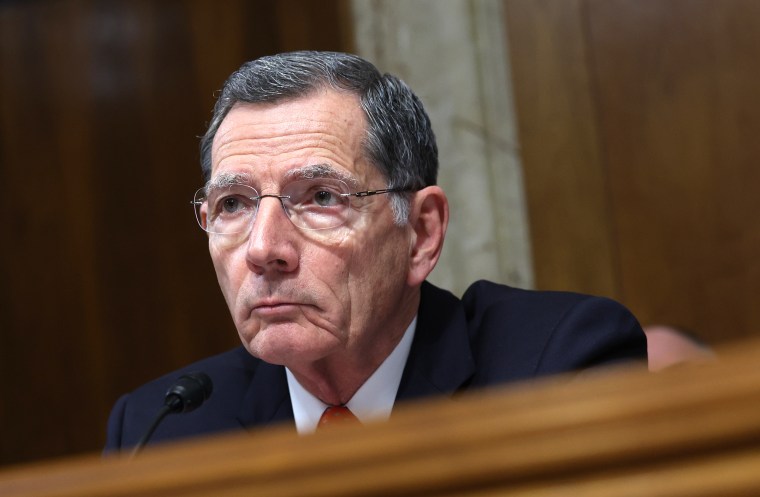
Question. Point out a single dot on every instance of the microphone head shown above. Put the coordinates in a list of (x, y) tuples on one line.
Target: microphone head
[(189, 392)]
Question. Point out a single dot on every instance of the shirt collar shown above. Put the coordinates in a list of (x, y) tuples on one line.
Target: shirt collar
[(372, 402)]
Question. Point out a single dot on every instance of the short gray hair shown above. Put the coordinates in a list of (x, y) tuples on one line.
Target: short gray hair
[(399, 142)]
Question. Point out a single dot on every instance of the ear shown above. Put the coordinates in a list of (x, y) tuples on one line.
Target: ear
[(428, 220)]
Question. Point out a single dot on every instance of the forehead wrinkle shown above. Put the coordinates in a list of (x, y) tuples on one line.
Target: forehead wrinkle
[(280, 127), (275, 143), (275, 146)]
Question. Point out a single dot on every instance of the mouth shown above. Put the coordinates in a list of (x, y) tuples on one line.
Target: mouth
[(275, 309)]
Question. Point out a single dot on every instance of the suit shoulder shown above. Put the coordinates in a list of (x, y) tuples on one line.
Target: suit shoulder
[(487, 296), (230, 373), (218, 367), (550, 331)]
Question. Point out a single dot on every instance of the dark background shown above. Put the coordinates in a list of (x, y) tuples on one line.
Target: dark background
[(105, 279)]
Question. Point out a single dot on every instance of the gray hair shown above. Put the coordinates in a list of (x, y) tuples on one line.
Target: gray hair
[(399, 141)]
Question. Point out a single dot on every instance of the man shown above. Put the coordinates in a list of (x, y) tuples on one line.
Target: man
[(668, 346), (323, 221)]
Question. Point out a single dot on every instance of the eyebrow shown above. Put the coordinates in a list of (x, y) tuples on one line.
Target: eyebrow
[(305, 172), (320, 171), (227, 179)]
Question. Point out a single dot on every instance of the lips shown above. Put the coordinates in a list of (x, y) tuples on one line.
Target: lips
[(274, 305), (270, 302), (281, 303), (272, 309)]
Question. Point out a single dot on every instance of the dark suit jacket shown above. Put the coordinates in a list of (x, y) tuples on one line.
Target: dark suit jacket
[(495, 334)]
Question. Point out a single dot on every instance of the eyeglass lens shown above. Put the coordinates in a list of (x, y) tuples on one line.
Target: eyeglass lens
[(311, 204)]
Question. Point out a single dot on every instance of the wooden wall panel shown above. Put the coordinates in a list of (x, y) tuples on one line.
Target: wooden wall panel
[(105, 279), (692, 431), (565, 180), (655, 107), (677, 84)]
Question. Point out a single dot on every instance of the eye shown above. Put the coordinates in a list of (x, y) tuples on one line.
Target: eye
[(230, 204), (316, 195), (325, 198)]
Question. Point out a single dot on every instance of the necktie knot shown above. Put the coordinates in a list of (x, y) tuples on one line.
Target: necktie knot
[(335, 416)]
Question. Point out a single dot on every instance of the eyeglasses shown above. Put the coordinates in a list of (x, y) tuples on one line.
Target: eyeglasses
[(310, 204)]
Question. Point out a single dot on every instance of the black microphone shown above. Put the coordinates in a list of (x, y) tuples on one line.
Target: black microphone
[(185, 395)]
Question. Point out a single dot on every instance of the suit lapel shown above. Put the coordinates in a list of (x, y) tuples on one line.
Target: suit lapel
[(440, 360), (267, 400)]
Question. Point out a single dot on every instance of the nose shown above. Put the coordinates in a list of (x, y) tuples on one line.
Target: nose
[(272, 240)]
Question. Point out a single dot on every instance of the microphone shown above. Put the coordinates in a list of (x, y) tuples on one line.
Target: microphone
[(185, 395)]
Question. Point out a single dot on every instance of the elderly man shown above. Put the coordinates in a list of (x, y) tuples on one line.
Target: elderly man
[(324, 220)]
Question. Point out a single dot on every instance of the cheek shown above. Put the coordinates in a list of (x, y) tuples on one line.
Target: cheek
[(378, 269), (329, 269), (228, 277)]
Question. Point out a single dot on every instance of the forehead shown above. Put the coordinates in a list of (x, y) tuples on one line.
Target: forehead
[(323, 127)]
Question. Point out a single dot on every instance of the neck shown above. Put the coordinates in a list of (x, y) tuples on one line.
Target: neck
[(336, 378)]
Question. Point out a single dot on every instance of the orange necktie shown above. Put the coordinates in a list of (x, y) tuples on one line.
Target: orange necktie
[(336, 416)]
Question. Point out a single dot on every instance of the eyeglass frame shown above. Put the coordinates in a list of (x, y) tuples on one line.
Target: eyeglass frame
[(362, 194)]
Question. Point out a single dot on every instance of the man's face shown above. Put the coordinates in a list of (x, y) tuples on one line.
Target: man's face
[(300, 297)]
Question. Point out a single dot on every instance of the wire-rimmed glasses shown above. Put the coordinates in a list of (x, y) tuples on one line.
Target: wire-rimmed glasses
[(311, 204)]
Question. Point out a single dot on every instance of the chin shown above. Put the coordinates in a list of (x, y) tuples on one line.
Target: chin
[(288, 347), (276, 342)]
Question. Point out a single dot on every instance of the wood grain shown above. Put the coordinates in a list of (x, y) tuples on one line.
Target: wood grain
[(689, 431), (572, 234), (105, 279), (638, 122)]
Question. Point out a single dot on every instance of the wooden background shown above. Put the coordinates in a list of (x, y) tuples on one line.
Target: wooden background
[(637, 123), (105, 277)]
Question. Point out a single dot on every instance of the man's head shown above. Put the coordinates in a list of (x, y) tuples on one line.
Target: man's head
[(305, 290), (399, 140), (668, 346)]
